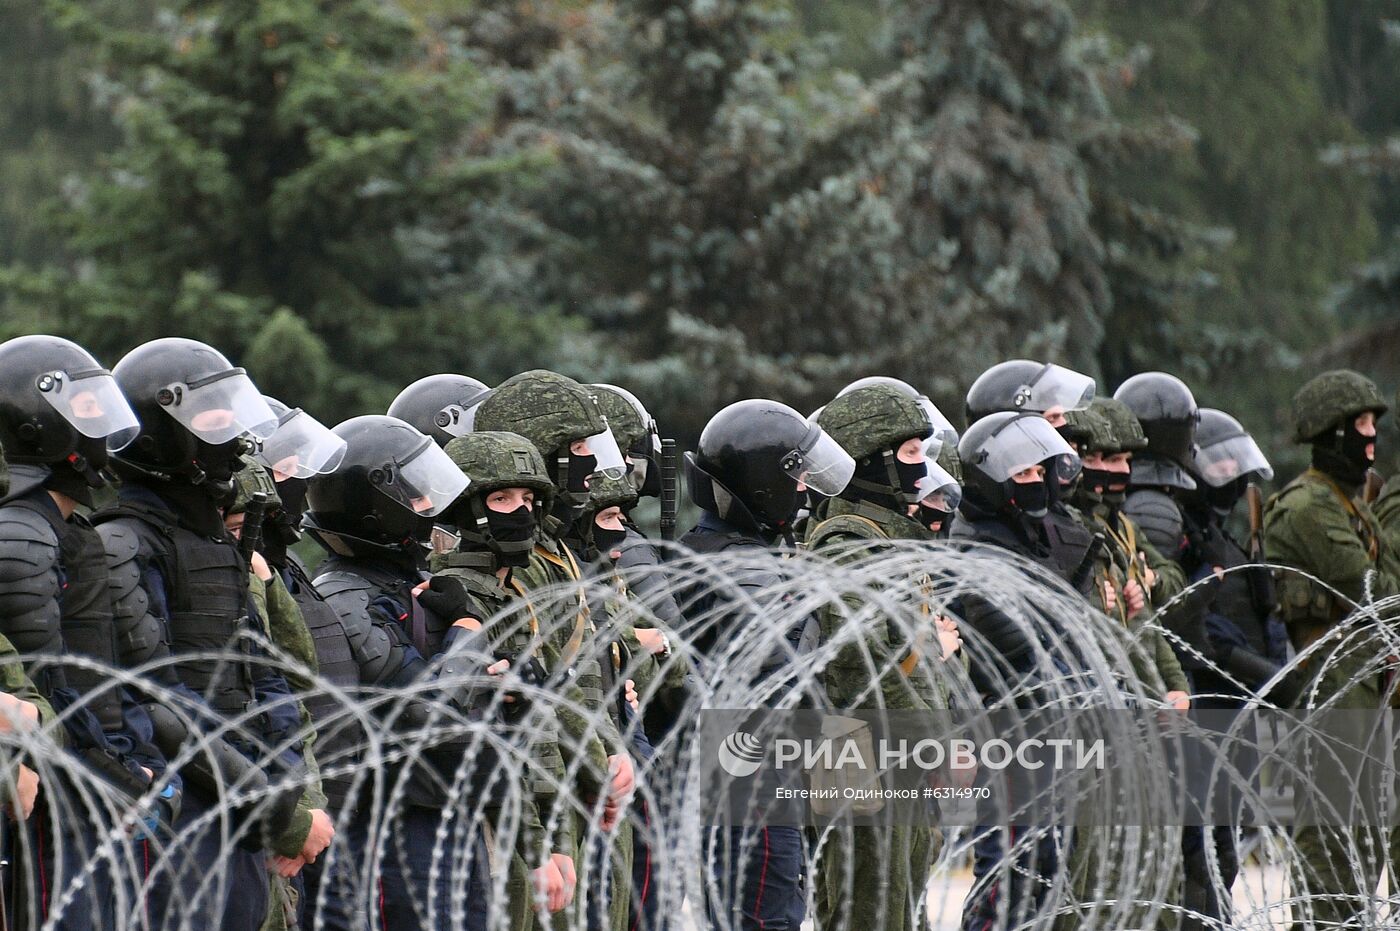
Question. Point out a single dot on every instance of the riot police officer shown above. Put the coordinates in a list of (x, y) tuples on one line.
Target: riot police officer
[(373, 515), (180, 594), (438, 405), (749, 475), (60, 411)]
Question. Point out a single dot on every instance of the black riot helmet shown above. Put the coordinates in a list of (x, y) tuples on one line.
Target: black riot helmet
[(386, 491), (59, 408), (1167, 411), (197, 412), (1026, 387), (437, 405), (997, 447), (752, 458)]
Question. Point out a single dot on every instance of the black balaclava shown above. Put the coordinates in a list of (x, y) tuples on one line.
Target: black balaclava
[(928, 515), (606, 539), (516, 526), (1342, 454), (1222, 500), (1032, 499)]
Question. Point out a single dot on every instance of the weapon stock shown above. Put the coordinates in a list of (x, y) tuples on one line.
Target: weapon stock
[(1372, 489), (250, 537), (669, 490), (1255, 499)]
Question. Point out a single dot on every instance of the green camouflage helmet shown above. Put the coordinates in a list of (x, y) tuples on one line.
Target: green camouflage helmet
[(495, 460), (548, 409), (951, 462), (604, 493), (870, 420), (1331, 398), (1085, 429), (1124, 431), (250, 480), (623, 419)]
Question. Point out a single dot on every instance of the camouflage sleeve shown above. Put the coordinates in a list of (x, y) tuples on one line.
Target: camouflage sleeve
[(1171, 578), (1168, 667), (1387, 511), (287, 628), (1315, 532), (870, 666), (16, 682)]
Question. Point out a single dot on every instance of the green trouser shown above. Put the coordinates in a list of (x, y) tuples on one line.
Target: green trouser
[(1098, 871), (1338, 865), (881, 886)]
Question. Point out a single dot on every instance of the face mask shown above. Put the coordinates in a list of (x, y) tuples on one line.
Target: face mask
[(1099, 481), (930, 516), (910, 474), (1031, 499), (516, 526), (607, 539), (1222, 500), (1344, 458), (65, 479), (580, 467), (292, 491)]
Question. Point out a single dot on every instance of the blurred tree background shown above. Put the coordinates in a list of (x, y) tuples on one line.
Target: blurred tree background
[(710, 199)]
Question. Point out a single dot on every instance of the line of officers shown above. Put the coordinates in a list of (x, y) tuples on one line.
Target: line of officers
[(146, 521)]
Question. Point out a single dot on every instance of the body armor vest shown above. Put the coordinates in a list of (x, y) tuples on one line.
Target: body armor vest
[(87, 626), (337, 733), (36, 532), (206, 582)]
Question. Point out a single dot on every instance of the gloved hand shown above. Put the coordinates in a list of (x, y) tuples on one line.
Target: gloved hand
[(449, 599)]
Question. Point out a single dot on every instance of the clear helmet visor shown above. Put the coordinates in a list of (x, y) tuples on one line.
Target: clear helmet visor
[(820, 463), (1221, 463), (92, 404), (943, 430), (604, 449), (1021, 443), (426, 482), (1056, 387), (301, 447), (939, 489), (220, 408)]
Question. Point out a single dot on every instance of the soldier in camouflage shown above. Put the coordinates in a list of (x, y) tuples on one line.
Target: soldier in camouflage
[(476, 585), (1317, 525), (875, 877), (562, 419)]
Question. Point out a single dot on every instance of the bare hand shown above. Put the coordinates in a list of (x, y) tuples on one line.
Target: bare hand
[(260, 567), (554, 883), (16, 714), (286, 867), (26, 792), (319, 837), (949, 637), (1110, 597), (1135, 597), (1149, 578), (1179, 700), (629, 695), (651, 639), (620, 786)]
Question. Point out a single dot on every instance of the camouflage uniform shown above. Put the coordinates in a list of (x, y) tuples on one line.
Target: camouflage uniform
[(286, 628), (495, 461), (552, 411), (1315, 525), (1107, 426), (874, 877)]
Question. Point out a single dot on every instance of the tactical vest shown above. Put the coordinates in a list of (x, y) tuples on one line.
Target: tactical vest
[(87, 626), (338, 739), (206, 585), (35, 633)]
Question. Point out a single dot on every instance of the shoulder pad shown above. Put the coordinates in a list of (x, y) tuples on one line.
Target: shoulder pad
[(28, 545), (1159, 518), (19, 523), (340, 582), (121, 542)]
